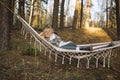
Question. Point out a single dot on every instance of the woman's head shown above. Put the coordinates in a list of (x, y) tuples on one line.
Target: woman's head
[(47, 32)]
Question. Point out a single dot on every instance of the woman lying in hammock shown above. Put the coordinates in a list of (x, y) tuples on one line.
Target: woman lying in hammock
[(49, 35)]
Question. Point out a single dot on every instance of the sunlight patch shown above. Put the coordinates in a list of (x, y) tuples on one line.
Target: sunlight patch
[(92, 29), (97, 32)]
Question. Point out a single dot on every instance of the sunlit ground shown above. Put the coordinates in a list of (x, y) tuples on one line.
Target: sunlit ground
[(85, 35), (96, 31)]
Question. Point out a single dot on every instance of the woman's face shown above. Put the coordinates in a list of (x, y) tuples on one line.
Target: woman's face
[(47, 33)]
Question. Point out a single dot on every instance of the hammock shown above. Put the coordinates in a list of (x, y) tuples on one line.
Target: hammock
[(104, 52)]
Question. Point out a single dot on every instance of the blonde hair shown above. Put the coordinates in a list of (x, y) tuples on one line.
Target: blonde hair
[(44, 30), (48, 28)]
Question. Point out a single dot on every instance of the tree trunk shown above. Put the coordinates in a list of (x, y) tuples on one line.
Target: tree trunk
[(76, 15), (81, 13), (4, 25), (62, 15), (118, 17), (21, 8), (55, 14), (67, 22), (110, 15), (31, 11), (87, 21), (107, 14), (11, 6), (36, 19), (21, 12)]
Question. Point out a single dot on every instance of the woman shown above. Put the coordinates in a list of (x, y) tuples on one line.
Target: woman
[(54, 39)]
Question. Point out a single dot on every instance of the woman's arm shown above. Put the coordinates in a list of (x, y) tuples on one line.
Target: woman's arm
[(41, 35)]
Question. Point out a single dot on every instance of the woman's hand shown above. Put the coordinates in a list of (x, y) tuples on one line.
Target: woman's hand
[(41, 35)]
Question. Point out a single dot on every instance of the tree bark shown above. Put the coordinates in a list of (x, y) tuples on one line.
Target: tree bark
[(107, 14), (76, 15), (21, 8), (4, 25), (118, 17), (81, 13), (62, 15), (36, 19), (110, 15), (11, 6), (87, 21), (55, 14), (31, 11), (21, 12)]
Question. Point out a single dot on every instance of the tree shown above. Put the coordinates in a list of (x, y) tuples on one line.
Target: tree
[(62, 15), (76, 15), (118, 17), (5, 24), (31, 11), (55, 14), (81, 13), (107, 14), (112, 15), (36, 19), (21, 8), (88, 14), (11, 6), (21, 11)]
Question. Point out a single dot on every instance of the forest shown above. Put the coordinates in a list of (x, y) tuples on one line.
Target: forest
[(27, 52)]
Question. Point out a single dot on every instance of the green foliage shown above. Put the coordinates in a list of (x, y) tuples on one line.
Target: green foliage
[(76, 75), (67, 75)]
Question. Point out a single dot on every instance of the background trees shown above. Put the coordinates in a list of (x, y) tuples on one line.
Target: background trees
[(109, 13)]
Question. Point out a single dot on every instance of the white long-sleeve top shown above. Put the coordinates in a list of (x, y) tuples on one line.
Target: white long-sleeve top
[(56, 40)]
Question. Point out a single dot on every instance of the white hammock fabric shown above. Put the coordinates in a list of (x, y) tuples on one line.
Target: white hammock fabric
[(104, 53)]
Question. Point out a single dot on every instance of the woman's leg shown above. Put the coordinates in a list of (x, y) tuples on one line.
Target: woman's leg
[(71, 46), (86, 47)]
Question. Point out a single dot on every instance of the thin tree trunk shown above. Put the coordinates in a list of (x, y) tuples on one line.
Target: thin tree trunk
[(118, 17), (76, 15), (36, 19), (55, 14), (21, 8), (81, 14), (110, 16), (66, 14), (87, 21), (106, 13), (21, 12), (4, 25), (11, 6), (31, 12), (62, 15), (15, 12)]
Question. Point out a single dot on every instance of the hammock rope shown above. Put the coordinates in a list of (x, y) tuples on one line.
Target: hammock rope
[(49, 49)]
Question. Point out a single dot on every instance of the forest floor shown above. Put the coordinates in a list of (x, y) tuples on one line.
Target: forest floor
[(20, 64)]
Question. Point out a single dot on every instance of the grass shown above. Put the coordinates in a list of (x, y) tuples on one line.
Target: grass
[(43, 68)]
